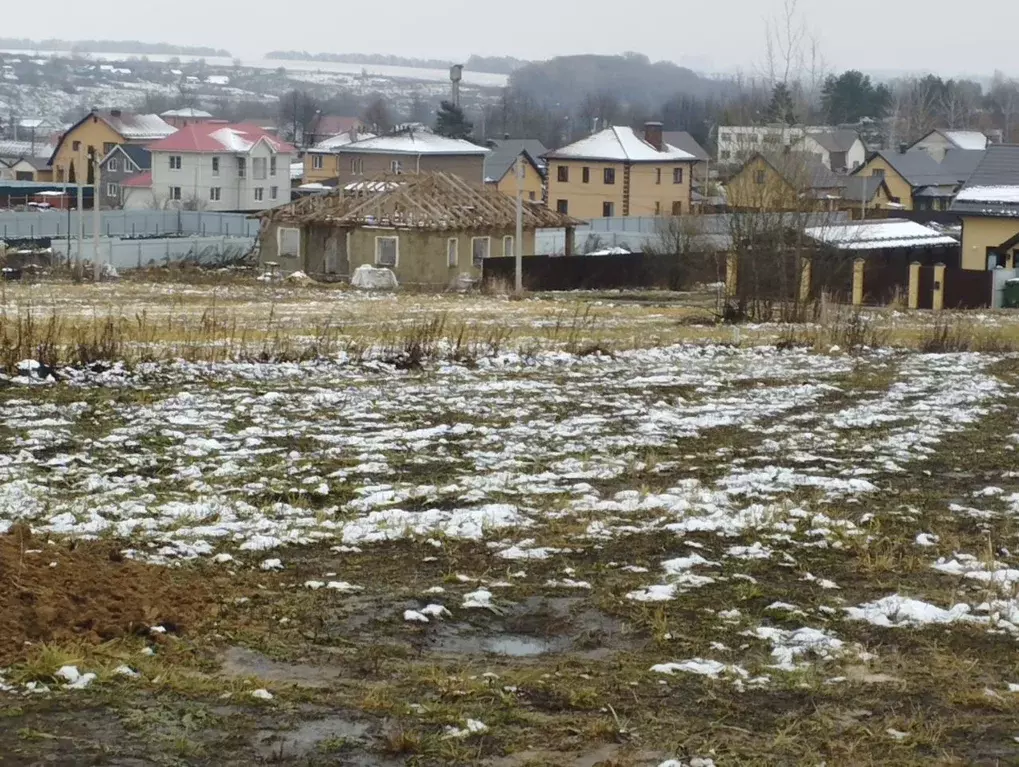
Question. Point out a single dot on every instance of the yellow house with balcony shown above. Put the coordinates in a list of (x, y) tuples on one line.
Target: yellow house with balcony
[(617, 172)]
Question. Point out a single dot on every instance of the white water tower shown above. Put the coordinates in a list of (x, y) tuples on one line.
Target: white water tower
[(456, 73)]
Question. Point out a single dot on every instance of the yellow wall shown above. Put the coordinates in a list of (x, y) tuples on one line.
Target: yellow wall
[(586, 201), (979, 234), (533, 183), (93, 132), (330, 168), (774, 194), (897, 185)]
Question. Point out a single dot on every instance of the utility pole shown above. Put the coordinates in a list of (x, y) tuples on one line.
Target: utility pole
[(96, 270), (81, 210), (518, 240)]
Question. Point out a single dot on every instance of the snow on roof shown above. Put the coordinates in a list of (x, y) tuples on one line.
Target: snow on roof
[(186, 112), (217, 80), (343, 139), (967, 139), (415, 143), (1009, 194), (25, 149), (220, 137), (296, 170), (620, 143), (138, 127), (878, 235)]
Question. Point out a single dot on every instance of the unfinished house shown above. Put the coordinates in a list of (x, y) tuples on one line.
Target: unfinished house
[(429, 228)]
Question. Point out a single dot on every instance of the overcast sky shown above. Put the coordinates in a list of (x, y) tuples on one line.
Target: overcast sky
[(974, 37)]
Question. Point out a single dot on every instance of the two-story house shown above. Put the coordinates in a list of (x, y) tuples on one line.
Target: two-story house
[(410, 151), (322, 161), (218, 166), (738, 143), (616, 172), (988, 205), (840, 151), (938, 142), (126, 161), (917, 181), (95, 135)]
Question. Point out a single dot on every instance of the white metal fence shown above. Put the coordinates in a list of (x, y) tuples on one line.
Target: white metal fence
[(55, 224), (136, 253)]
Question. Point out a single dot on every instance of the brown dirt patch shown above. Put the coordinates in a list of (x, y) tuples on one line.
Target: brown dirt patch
[(91, 593)]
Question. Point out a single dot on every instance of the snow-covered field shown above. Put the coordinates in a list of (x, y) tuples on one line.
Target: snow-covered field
[(706, 553)]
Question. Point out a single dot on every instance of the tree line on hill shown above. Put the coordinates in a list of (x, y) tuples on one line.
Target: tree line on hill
[(500, 65), (110, 46)]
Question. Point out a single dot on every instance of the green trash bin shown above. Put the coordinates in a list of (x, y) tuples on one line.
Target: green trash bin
[(1011, 300)]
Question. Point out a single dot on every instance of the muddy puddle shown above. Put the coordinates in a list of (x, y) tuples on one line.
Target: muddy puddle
[(534, 627), (241, 662)]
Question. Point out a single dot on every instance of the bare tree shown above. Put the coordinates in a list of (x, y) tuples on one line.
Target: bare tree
[(298, 113), (377, 116), (1004, 97), (785, 34)]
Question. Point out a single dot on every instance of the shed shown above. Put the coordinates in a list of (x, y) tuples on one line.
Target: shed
[(429, 228)]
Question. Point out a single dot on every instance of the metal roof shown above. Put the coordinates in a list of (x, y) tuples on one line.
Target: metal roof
[(505, 152), (880, 235), (993, 188), (683, 140)]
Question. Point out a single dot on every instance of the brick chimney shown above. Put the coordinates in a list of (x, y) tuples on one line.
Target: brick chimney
[(653, 134)]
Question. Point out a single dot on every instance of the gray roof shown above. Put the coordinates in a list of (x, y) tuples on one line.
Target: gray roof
[(840, 140), (505, 151), (862, 187), (683, 140), (917, 167), (993, 188), (139, 155), (961, 163), (804, 167)]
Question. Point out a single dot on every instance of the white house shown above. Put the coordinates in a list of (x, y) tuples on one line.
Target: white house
[(938, 142), (738, 143), (840, 151), (216, 166)]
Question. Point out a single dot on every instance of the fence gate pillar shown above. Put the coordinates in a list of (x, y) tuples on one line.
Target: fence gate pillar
[(914, 285), (858, 281), (731, 273), (938, 294), (806, 267)]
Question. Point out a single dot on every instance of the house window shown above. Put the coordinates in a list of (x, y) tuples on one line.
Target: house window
[(272, 166), (258, 166), (677, 208), (259, 193), (585, 175), (75, 146), (563, 173), (452, 251), (316, 161), (387, 251), (113, 190), (658, 175), (215, 193), (480, 249), (357, 166), (658, 208), (759, 177), (174, 192), (215, 166), (878, 172), (677, 175), (396, 166), (507, 245), (112, 166), (609, 175), (288, 241), (531, 196), (724, 136), (608, 209), (175, 162), (242, 167), (274, 192), (108, 146), (724, 155), (128, 168), (562, 206)]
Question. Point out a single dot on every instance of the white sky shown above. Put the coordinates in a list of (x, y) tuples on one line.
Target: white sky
[(873, 35)]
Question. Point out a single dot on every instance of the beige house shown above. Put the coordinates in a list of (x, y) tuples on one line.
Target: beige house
[(989, 208), (430, 229), (785, 181), (916, 180), (617, 172), (500, 167), (404, 152)]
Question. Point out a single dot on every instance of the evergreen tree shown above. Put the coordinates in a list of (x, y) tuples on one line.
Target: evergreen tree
[(450, 122), (781, 108), (852, 96)]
